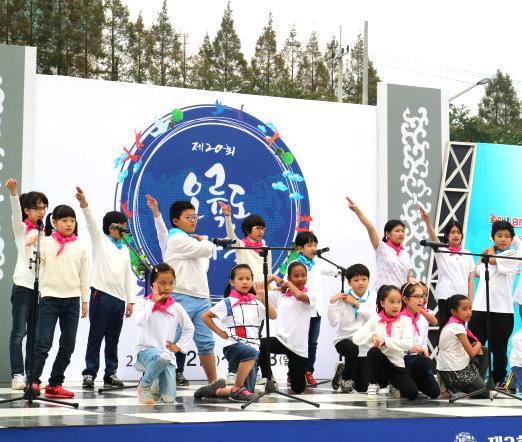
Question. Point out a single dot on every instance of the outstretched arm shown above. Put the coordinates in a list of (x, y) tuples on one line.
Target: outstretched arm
[(426, 218), (161, 228), (372, 233)]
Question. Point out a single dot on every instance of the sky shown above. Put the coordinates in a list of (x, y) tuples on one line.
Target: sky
[(442, 44)]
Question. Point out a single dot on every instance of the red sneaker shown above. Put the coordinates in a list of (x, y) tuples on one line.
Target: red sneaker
[(58, 392), (36, 388), (310, 378)]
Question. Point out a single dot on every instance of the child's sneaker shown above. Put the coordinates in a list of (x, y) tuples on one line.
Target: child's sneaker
[(336, 380), (18, 382), (373, 392), (241, 395), (145, 395), (346, 386), (112, 382), (394, 392), (231, 378), (288, 381), (88, 382), (167, 399), (36, 388), (58, 392), (154, 389), (181, 381), (210, 391), (310, 380), (259, 380)]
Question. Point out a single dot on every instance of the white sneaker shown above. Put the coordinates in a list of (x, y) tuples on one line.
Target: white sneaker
[(346, 386), (231, 379), (373, 392), (154, 389), (167, 399), (394, 393), (259, 379), (18, 382), (384, 391)]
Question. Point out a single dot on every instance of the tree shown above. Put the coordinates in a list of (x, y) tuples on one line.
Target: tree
[(353, 78), (166, 53), (17, 22), (313, 74), (140, 48), (115, 38), (468, 128), (500, 106), (332, 64), (291, 57), (263, 63), (202, 75), (228, 63)]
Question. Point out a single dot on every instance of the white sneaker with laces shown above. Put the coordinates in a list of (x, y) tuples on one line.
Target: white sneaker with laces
[(231, 379), (18, 382), (373, 392), (394, 393), (346, 386)]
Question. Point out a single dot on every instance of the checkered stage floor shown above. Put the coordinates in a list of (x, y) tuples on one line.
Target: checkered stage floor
[(121, 407)]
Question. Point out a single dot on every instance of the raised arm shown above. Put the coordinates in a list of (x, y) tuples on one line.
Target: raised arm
[(161, 228), (426, 218), (231, 233), (372, 233)]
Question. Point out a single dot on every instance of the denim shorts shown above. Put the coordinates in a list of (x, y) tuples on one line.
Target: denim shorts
[(237, 353)]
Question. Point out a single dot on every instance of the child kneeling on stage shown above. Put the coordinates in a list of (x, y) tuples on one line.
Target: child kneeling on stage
[(242, 313), (391, 335), (348, 312), (157, 323)]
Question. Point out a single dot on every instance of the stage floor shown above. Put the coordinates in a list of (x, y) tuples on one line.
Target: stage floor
[(122, 408)]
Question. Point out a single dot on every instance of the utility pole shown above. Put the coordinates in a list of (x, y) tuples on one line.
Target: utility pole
[(365, 66), (339, 59), (184, 65)]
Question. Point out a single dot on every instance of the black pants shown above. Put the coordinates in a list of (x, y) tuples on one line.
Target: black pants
[(421, 370), (383, 372), (296, 363), (355, 368), (501, 329)]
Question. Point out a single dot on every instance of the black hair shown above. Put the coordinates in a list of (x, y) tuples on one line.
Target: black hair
[(232, 275), (30, 200), (390, 225), (177, 208), (502, 225), (304, 238), (357, 270), (383, 293), (451, 304), (449, 226), (59, 212), (250, 222), (293, 265), (113, 218), (161, 267)]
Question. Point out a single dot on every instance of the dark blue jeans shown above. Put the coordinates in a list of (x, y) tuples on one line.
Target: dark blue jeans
[(66, 311), (106, 320), (313, 336), (23, 300)]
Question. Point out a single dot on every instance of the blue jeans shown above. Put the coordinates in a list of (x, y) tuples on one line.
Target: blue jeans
[(153, 366), (237, 353), (313, 336), (66, 311), (106, 320), (23, 300), (517, 372)]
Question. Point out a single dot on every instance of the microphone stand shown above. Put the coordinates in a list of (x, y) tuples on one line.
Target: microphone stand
[(29, 393), (490, 384), (269, 386), (148, 268)]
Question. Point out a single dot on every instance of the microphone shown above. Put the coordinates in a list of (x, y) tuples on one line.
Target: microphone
[(39, 224), (323, 250), (119, 228), (223, 242), (433, 244)]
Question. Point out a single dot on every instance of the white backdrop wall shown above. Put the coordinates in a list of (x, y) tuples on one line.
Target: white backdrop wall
[(82, 125)]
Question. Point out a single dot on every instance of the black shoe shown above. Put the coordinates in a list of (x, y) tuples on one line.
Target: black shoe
[(209, 391), (88, 382), (112, 382), (181, 381), (336, 380)]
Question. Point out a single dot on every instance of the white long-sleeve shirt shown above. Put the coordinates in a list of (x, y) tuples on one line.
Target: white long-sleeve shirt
[(156, 328), (65, 275), (342, 315), (400, 341), (23, 275), (112, 271), (188, 257)]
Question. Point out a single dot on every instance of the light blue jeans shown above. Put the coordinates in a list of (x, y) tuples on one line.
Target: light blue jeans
[(517, 372), (153, 366)]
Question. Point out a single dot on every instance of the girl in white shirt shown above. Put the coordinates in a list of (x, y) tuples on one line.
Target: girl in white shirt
[(241, 312), (65, 280), (390, 335), (291, 331), (461, 365), (27, 209), (393, 262)]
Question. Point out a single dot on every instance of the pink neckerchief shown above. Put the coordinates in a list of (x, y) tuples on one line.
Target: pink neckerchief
[(395, 247), (454, 249), (454, 320), (162, 307), (62, 240), (253, 245), (289, 294), (388, 320), (414, 318), (29, 225), (241, 298)]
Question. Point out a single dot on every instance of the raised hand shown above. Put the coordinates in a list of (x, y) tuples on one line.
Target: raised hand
[(424, 215), (80, 196), (352, 206), (10, 184), (152, 204), (225, 208)]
